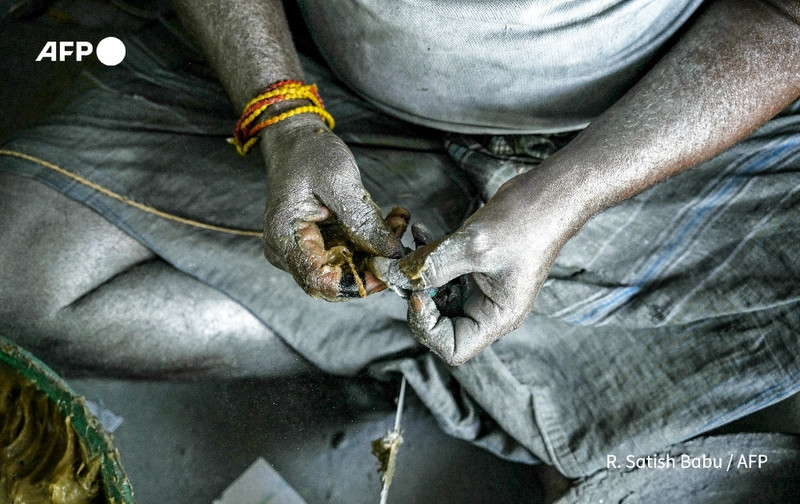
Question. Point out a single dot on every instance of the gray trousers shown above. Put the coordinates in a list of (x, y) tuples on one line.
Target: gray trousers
[(666, 317)]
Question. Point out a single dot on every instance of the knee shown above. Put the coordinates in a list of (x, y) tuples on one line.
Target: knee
[(53, 251), (21, 286)]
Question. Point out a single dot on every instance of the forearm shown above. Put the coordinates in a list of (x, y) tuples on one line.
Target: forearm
[(247, 43), (735, 68)]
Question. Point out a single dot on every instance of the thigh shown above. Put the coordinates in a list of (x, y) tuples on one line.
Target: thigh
[(55, 250), (85, 296), (674, 313), (144, 146)]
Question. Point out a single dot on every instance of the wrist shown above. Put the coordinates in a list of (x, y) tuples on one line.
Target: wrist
[(556, 199), (290, 134), (280, 102)]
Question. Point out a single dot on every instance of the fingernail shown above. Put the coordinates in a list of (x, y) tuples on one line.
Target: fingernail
[(417, 302), (372, 284)]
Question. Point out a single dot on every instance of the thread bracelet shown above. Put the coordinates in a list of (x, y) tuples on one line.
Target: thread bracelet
[(247, 127)]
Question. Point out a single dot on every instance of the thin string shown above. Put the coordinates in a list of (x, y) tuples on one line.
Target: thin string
[(128, 201)]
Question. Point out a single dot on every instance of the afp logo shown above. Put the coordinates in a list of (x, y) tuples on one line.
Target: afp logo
[(110, 51)]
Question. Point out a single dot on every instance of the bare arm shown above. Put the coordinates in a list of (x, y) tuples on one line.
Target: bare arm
[(247, 43), (736, 67), (311, 175)]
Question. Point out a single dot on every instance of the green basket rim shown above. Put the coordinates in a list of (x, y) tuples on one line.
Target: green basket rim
[(116, 485)]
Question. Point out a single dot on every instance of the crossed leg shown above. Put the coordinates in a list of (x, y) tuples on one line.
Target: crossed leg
[(86, 297)]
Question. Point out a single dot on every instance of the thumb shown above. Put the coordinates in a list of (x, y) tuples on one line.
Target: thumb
[(436, 263)]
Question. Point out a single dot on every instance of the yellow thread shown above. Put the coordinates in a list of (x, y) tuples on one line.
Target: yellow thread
[(148, 209), (289, 95), (362, 292), (244, 136), (128, 201), (306, 109), (243, 149), (296, 88), (274, 92)]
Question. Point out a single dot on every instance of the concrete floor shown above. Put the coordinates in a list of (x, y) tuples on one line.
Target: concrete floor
[(185, 442)]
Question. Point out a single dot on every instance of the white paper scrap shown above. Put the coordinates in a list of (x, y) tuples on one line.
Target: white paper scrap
[(107, 418), (260, 484)]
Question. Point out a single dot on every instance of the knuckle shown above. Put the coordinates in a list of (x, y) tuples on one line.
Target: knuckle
[(478, 247), (273, 258), (271, 252), (363, 223)]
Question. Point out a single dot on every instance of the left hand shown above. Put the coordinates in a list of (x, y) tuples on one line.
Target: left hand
[(502, 254)]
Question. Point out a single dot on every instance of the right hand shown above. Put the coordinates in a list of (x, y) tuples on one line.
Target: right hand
[(312, 178)]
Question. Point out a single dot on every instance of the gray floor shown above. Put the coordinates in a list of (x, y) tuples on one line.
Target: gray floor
[(185, 442)]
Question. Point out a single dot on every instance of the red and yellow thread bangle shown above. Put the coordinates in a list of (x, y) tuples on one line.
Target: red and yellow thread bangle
[(305, 109), (252, 112), (247, 127), (283, 87)]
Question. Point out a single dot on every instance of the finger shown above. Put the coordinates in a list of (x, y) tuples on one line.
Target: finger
[(429, 327), (438, 262), (349, 287), (458, 329), (397, 220), (309, 262), (272, 256), (422, 235), (362, 221), (283, 228), (455, 340), (330, 273)]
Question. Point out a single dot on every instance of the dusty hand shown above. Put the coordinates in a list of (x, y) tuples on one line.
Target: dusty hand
[(488, 272), (318, 213)]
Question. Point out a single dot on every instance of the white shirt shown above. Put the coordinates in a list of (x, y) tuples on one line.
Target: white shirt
[(494, 66)]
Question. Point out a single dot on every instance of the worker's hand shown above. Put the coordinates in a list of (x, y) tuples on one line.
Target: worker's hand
[(318, 211), (488, 272)]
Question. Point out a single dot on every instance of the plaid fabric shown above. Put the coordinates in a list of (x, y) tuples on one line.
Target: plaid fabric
[(490, 161), (667, 316)]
